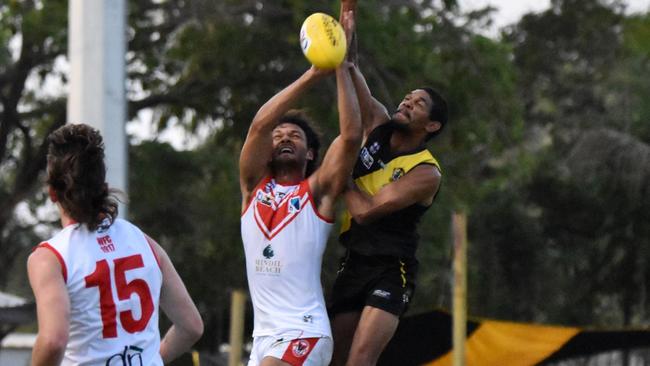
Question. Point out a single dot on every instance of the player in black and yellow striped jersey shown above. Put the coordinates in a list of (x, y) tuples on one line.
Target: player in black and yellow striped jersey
[(395, 181)]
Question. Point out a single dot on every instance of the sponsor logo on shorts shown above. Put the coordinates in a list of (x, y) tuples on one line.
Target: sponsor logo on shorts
[(300, 347), (405, 298), (381, 293), (308, 319)]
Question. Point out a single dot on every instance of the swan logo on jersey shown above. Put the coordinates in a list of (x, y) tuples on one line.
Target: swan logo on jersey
[(300, 347), (268, 252), (294, 204)]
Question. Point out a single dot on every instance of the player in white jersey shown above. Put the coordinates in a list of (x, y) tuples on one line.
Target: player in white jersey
[(98, 283), (287, 207)]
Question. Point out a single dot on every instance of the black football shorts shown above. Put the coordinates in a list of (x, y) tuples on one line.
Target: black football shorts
[(383, 282)]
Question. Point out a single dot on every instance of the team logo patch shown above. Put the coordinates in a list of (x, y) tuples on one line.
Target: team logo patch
[(397, 174), (294, 204), (268, 187), (366, 158), (300, 347), (374, 147), (268, 252)]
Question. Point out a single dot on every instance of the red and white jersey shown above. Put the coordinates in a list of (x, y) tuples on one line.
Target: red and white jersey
[(284, 239), (113, 279)]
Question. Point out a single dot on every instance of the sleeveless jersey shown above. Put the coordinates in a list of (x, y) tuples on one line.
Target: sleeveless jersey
[(113, 279), (284, 239), (394, 234)]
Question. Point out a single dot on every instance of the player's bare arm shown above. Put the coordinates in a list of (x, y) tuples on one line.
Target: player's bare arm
[(331, 178), (52, 307), (373, 113), (258, 147), (418, 186), (176, 303)]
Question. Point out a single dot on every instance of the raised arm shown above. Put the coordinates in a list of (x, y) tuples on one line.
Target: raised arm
[(418, 186), (52, 307), (373, 113), (330, 180), (258, 147)]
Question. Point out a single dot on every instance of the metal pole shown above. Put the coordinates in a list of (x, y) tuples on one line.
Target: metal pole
[(237, 311), (97, 43), (459, 223)]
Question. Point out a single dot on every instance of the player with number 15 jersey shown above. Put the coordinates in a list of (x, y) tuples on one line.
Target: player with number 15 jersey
[(98, 283), (114, 286)]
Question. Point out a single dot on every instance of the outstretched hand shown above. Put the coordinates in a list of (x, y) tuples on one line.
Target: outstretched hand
[(347, 65), (318, 73), (349, 26)]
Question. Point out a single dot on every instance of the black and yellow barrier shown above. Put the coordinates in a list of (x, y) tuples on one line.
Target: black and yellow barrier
[(426, 339)]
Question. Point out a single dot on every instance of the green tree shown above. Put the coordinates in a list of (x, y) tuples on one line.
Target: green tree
[(32, 38), (563, 242)]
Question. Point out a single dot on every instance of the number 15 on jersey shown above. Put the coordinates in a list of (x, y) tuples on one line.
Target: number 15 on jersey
[(101, 278)]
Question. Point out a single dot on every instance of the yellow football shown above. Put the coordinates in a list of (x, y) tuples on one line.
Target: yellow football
[(322, 40)]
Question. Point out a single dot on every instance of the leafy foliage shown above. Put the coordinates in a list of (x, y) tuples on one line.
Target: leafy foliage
[(546, 149)]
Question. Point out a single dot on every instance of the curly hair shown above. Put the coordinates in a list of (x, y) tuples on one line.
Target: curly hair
[(77, 173), (302, 120), (438, 111)]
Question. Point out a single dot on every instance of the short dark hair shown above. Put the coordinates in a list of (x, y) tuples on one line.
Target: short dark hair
[(77, 173), (302, 120), (438, 111)]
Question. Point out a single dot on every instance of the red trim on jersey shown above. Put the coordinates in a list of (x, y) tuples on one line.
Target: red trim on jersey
[(252, 197), (64, 269), (329, 220), (153, 250), (298, 351), (272, 217)]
